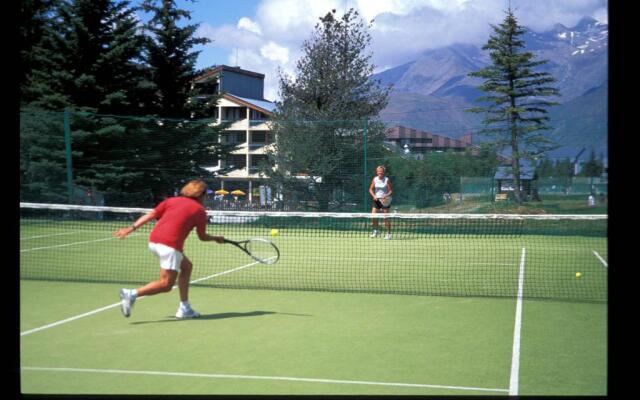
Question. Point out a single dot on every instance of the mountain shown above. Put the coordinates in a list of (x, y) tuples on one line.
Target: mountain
[(432, 92)]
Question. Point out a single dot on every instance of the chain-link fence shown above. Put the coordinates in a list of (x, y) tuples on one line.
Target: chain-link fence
[(91, 159)]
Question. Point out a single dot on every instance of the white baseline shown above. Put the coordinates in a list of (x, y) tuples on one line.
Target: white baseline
[(258, 377)]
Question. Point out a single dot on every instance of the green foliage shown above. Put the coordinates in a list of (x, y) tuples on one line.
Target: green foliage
[(332, 84), (140, 160), (88, 56), (593, 167), (170, 59), (515, 107), (424, 181), (92, 58), (42, 157)]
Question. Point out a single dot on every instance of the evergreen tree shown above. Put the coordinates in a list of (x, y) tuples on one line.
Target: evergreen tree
[(33, 18), (94, 60), (515, 108), (169, 55), (325, 112), (593, 167), (184, 138), (89, 58), (545, 168), (86, 58)]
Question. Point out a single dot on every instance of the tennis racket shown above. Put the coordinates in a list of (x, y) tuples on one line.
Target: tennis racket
[(261, 250), (386, 201)]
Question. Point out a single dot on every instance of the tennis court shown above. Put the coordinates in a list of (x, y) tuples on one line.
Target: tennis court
[(489, 307)]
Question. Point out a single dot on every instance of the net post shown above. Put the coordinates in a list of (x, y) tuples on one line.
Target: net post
[(67, 145)]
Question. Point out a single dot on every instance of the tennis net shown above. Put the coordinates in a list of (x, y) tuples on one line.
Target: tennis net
[(559, 257)]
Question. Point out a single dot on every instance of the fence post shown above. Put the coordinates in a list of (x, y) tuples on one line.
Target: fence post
[(67, 144), (364, 168)]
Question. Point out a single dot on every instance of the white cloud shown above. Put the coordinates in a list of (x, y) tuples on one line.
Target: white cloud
[(248, 25), (271, 40), (275, 53)]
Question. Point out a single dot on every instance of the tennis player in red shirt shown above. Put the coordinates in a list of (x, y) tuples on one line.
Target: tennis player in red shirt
[(177, 216)]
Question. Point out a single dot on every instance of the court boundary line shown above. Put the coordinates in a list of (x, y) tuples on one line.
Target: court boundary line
[(604, 263), (98, 310), (260, 377), (72, 244), (46, 236), (515, 356)]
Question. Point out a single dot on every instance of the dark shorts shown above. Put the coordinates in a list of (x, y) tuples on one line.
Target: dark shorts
[(378, 205)]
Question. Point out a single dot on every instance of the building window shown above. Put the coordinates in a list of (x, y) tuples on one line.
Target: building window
[(233, 113), (234, 137), (256, 162), (238, 161), (259, 137)]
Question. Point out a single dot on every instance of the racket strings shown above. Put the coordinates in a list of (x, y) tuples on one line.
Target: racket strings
[(262, 250)]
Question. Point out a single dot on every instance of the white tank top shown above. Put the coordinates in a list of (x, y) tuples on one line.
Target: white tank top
[(380, 186)]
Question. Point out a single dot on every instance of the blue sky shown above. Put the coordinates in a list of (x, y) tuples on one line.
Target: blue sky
[(266, 35)]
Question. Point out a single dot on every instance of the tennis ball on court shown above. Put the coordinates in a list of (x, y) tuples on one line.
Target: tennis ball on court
[(578, 274), (274, 232)]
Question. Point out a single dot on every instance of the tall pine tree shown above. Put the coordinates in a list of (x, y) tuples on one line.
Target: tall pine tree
[(321, 120), (85, 58), (515, 107), (184, 138)]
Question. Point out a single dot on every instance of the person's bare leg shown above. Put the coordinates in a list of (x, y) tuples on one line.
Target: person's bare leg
[(183, 278), (374, 222), (387, 222), (164, 284)]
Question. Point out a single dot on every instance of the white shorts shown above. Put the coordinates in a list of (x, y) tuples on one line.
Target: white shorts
[(169, 257)]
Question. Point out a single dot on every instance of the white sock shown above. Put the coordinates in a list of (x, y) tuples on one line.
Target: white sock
[(133, 293), (185, 304)]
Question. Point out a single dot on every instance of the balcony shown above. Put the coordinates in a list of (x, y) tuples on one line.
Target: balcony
[(258, 124)]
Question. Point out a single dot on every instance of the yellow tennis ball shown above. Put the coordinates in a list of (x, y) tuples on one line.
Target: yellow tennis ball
[(274, 232), (578, 274)]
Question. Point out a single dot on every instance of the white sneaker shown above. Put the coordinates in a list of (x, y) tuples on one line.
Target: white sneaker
[(387, 236), (186, 313), (375, 233), (128, 299)]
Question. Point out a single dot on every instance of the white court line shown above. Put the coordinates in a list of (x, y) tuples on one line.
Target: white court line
[(71, 244), (595, 253), (44, 236), (259, 377), (64, 321), (515, 357)]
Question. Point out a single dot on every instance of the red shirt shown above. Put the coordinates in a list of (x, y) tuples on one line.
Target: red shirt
[(177, 216)]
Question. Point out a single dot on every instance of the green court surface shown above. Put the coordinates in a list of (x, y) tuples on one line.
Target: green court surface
[(359, 331), (279, 342)]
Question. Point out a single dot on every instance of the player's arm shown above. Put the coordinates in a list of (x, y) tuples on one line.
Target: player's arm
[(201, 230), (371, 187), (121, 233)]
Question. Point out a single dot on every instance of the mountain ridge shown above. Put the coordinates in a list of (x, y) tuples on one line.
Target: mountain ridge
[(432, 92)]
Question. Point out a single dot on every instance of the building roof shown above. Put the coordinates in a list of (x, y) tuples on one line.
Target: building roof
[(259, 104), (399, 132), (216, 70)]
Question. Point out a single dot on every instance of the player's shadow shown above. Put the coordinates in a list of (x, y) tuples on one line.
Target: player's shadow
[(207, 317)]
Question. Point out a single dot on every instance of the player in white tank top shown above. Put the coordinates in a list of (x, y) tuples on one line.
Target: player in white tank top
[(379, 189)]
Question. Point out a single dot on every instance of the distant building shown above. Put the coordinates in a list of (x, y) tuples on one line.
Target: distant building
[(505, 182), (244, 107), (417, 141)]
